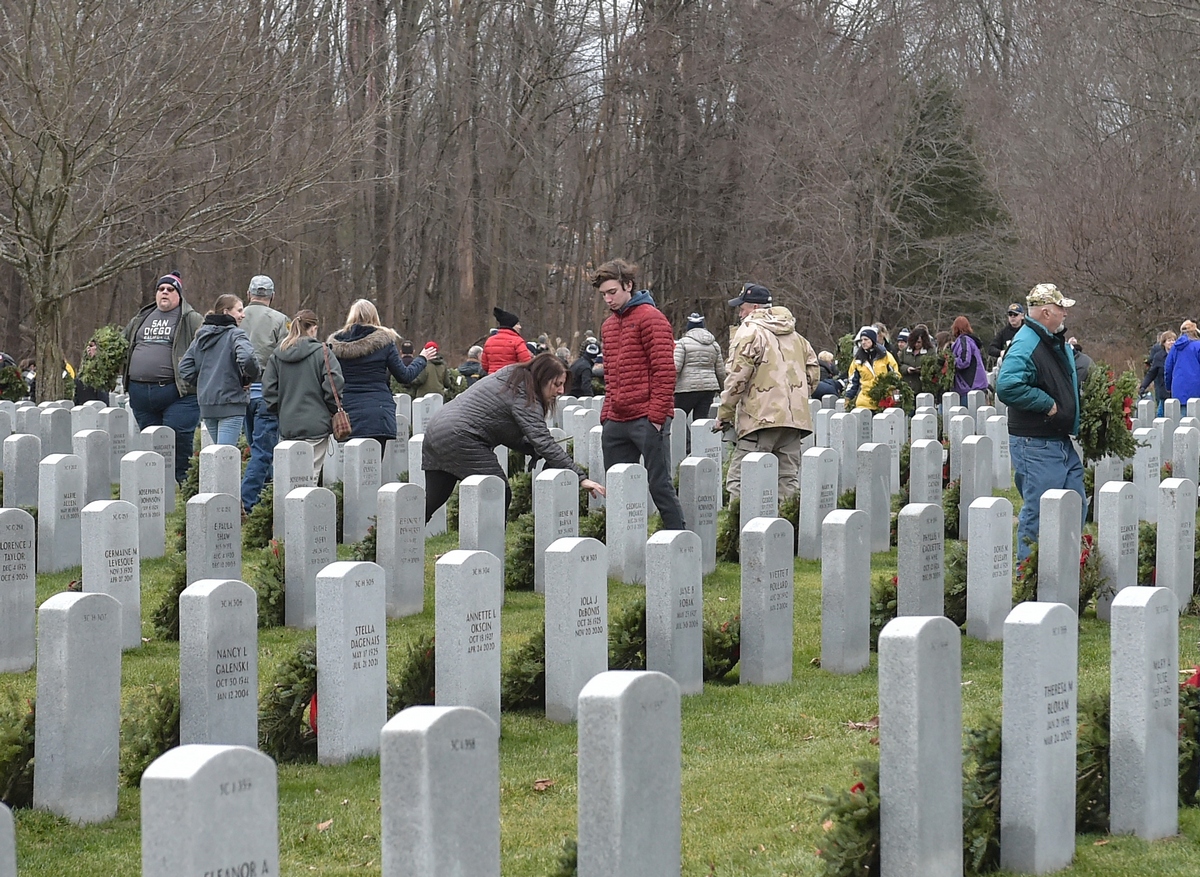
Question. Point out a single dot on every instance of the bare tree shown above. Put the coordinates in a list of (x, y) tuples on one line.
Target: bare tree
[(132, 131)]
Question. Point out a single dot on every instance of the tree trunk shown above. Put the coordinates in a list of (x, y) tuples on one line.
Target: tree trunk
[(47, 330)]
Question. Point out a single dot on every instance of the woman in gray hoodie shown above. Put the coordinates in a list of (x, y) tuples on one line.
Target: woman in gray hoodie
[(299, 384), (222, 365)]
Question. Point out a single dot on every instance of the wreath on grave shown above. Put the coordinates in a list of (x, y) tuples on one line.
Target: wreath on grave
[(521, 485), (523, 682), (287, 710), (884, 605), (850, 818), (884, 389), (728, 534), (1105, 414), (518, 554), (950, 502), (594, 525), (102, 370), (627, 638), (12, 386), (415, 684), (845, 354), (259, 525), (367, 548), (166, 615), (722, 647), (150, 728), (954, 593), (937, 373), (18, 719), (266, 575)]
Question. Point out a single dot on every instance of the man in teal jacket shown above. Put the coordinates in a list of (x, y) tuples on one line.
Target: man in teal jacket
[(1038, 383)]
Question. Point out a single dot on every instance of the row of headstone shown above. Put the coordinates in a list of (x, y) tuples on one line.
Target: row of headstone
[(920, 729)]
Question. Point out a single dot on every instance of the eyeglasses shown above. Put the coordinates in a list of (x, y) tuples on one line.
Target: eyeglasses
[(166, 287), (1014, 313)]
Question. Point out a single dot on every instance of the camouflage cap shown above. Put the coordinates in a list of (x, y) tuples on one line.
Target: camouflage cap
[(1047, 294)]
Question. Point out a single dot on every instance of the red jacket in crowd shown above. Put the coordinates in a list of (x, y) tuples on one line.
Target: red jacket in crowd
[(504, 348), (639, 363)]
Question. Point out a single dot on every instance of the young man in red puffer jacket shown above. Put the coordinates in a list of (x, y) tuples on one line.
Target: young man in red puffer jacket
[(639, 384), (506, 346)]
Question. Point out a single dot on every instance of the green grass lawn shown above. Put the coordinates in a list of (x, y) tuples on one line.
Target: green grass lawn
[(752, 756)]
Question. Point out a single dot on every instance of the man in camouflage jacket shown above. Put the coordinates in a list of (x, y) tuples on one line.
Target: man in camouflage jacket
[(770, 372)]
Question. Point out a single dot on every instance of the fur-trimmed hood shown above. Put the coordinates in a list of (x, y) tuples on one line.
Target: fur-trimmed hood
[(361, 340)]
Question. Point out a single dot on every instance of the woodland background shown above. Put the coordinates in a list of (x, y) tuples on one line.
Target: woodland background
[(902, 160)]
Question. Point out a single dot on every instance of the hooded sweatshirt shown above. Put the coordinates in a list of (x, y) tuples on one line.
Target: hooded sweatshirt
[(296, 388), (772, 370), (698, 363), (221, 363)]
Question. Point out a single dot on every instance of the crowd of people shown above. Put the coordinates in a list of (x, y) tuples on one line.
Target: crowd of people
[(244, 367)]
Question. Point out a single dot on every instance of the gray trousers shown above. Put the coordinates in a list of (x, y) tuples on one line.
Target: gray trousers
[(782, 441)]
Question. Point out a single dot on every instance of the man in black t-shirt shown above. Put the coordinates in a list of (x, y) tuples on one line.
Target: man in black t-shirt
[(158, 337)]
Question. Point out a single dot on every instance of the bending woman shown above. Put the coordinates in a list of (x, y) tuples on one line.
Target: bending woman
[(505, 408)]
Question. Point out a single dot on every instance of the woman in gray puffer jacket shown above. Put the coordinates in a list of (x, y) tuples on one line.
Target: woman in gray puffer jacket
[(699, 369), (507, 408), (221, 363)]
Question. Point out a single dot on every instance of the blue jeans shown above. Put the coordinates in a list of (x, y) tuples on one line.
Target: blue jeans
[(262, 427), (224, 430), (161, 405), (1041, 464)]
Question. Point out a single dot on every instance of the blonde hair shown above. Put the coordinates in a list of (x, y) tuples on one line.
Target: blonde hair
[(224, 303), (1189, 328), (362, 312), (301, 323)]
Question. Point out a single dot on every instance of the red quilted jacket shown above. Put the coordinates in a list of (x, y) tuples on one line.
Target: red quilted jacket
[(639, 363), (506, 347)]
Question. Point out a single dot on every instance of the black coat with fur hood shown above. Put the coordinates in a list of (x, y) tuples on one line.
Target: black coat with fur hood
[(368, 355)]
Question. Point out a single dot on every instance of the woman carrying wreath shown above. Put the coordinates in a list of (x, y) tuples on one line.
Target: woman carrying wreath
[(870, 363)]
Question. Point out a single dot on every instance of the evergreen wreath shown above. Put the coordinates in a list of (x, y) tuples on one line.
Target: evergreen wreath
[(981, 797), (937, 373), (883, 390), (722, 647), (845, 354), (521, 485), (18, 720), (267, 576), (367, 548), (284, 731), (627, 638), (523, 682), (12, 386), (567, 864), (259, 526), (149, 729), (848, 499), (415, 684), (518, 554), (728, 534), (850, 817), (1105, 414), (1091, 579), (166, 615), (954, 593), (951, 498), (102, 370), (884, 605), (452, 506), (594, 525)]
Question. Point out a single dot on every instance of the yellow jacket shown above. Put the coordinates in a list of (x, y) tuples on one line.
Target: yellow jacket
[(864, 374)]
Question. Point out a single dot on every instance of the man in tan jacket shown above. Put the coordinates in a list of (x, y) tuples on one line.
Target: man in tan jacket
[(770, 373)]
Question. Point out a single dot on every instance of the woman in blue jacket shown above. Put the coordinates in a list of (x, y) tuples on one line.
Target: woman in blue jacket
[(368, 354), (222, 365), (1181, 374)]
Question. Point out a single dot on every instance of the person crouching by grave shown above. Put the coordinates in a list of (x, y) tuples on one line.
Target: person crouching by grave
[(1037, 382), (870, 363), (969, 371), (222, 365), (699, 369), (368, 353), (506, 346), (159, 335), (300, 383), (506, 408), (583, 370), (771, 370)]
